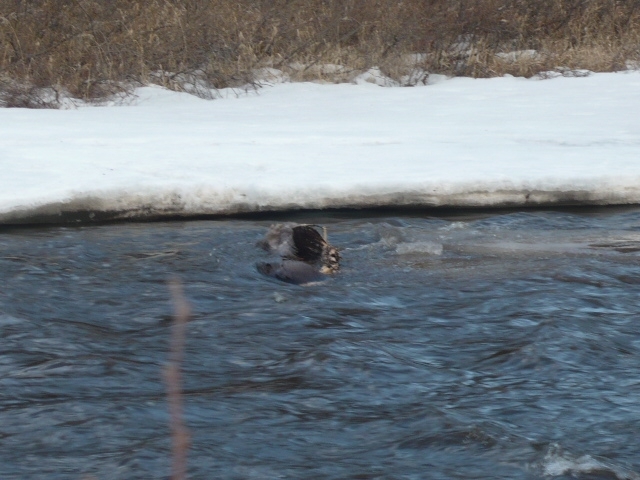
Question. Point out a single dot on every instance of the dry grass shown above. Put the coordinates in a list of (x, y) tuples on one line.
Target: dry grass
[(91, 49)]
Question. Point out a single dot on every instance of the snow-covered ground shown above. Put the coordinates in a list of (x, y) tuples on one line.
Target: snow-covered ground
[(456, 142)]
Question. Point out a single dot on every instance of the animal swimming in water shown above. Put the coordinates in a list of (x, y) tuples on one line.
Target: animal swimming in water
[(306, 255)]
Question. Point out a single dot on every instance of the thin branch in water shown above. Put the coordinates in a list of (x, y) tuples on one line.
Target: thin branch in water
[(173, 379)]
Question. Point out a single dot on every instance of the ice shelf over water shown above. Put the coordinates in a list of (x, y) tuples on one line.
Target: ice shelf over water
[(458, 143)]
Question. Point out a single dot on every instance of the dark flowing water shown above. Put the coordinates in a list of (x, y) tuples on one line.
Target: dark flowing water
[(481, 346)]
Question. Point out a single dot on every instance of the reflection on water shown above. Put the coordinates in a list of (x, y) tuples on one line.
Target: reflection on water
[(471, 346)]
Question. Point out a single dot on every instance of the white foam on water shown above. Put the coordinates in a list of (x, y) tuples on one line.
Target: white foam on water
[(429, 248), (559, 462)]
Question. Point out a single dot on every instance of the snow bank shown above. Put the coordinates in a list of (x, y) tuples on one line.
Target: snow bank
[(455, 143)]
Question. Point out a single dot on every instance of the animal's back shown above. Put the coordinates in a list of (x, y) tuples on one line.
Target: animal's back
[(291, 271)]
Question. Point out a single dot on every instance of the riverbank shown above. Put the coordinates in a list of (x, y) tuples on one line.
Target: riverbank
[(52, 50), (456, 142)]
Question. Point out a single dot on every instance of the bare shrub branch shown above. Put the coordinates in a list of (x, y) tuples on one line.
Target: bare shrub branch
[(90, 48), (173, 379)]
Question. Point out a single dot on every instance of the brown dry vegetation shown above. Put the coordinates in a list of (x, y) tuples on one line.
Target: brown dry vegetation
[(91, 49)]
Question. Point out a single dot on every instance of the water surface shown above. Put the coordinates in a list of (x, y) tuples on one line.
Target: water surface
[(500, 345)]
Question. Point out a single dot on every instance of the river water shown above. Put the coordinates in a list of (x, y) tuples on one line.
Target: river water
[(484, 345)]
